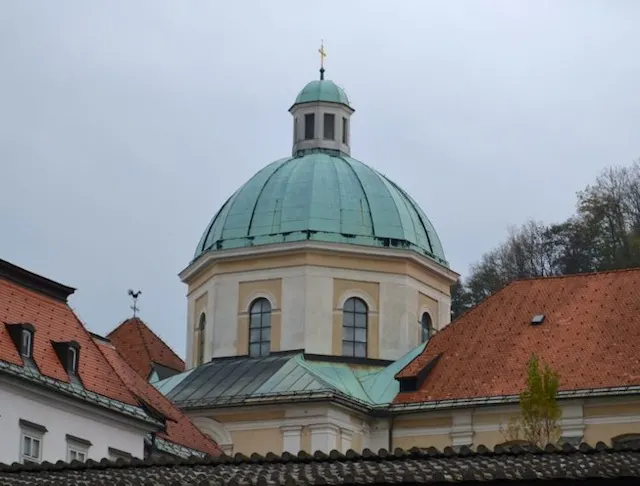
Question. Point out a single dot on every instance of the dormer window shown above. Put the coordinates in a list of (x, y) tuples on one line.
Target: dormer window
[(309, 126), (22, 337), (26, 343), (69, 355)]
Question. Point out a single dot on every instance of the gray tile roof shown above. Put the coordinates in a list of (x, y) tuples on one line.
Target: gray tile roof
[(402, 467)]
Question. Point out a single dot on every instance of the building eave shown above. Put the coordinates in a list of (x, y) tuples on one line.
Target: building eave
[(205, 260), (69, 390), (450, 404)]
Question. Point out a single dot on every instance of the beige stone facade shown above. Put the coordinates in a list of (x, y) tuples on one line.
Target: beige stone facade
[(306, 285), (310, 427)]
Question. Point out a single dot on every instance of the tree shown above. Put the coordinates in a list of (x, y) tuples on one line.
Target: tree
[(537, 422), (460, 299), (603, 234)]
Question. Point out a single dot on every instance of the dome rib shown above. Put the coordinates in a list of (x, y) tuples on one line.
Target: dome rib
[(403, 201), (264, 185), (364, 193), (321, 196), (428, 228)]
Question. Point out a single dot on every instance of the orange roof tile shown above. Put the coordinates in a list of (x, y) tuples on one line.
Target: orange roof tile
[(141, 347), (54, 320), (180, 429), (590, 336)]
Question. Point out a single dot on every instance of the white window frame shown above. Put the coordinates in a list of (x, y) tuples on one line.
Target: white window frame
[(31, 435), (73, 449), (73, 360), (77, 447), (26, 343)]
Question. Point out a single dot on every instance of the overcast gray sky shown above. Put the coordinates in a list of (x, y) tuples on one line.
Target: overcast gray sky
[(124, 125)]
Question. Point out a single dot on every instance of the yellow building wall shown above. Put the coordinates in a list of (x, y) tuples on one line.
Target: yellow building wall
[(261, 441), (489, 424)]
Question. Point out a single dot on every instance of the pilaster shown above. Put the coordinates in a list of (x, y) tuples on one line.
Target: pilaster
[(291, 438)]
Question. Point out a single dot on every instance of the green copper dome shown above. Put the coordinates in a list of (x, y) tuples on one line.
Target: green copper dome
[(321, 196), (322, 90)]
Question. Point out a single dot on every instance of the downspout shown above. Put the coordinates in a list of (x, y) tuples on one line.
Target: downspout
[(390, 448)]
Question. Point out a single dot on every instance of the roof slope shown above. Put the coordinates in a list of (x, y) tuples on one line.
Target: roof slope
[(228, 380), (102, 371), (141, 347), (179, 429), (590, 335), (401, 467), (54, 320)]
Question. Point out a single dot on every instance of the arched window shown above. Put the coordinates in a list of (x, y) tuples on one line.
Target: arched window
[(426, 326), (260, 328), (202, 325), (354, 328)]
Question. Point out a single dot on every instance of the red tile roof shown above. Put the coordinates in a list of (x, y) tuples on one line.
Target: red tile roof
[(141, 347), (54, 320), (32, 299), (590, 336), (180, 429)]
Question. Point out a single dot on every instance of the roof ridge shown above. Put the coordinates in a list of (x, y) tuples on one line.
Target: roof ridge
[(144, 343), (162, 341), (581, 274), (320, 375), (147, 401), (448, 453)]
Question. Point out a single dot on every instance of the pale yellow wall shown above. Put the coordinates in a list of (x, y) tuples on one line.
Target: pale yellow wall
[(201, 305), (200, 308), (261, 441), (489, 424), (606, 432), (430, 305), (341, 288), (305, 439), (323, 258), (437, 441), (603, 409), (243, 415), (247, 290)]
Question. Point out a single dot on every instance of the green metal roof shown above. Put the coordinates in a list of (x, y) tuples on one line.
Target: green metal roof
[(226, 381), (322, 90), (321, 196)]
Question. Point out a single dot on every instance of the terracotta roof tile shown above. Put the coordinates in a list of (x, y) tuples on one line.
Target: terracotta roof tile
[(141, 347), (180, 429), (54, 320), (590, 336)]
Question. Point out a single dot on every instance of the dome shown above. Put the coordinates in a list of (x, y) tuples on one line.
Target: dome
[(321, 196), (322, 90)]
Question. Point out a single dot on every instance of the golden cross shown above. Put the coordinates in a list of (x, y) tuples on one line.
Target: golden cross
[(323, 54)]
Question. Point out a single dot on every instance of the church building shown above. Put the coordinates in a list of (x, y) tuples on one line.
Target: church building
[(307, 286), (319, 318)]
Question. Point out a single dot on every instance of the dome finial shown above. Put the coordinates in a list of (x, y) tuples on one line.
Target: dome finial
[(323, 54)]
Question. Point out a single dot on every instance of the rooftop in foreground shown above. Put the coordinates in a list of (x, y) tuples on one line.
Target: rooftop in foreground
[(516, 465)]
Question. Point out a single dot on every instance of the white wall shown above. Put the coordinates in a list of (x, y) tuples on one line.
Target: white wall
[(62, 416)]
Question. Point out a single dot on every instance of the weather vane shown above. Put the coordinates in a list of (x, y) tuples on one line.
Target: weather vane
[(323, 54), (134, 296)]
